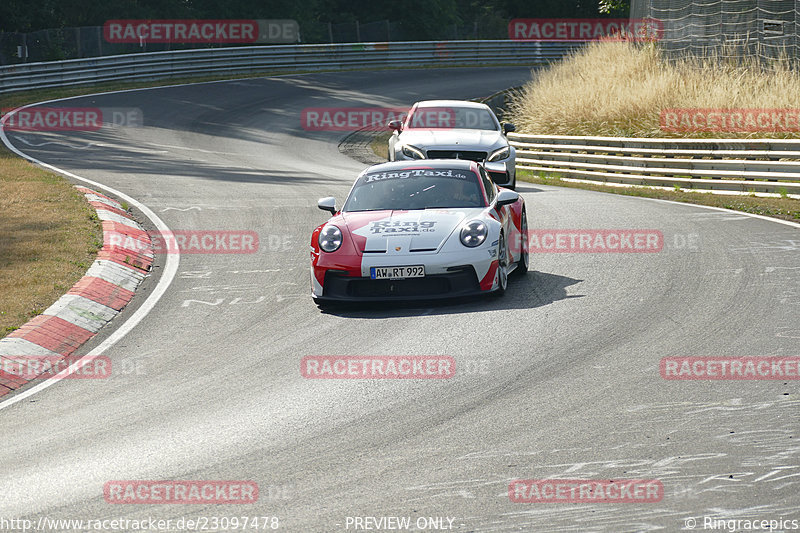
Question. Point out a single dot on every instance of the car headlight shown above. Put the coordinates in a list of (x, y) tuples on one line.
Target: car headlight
[(502, 153), (412, 152), (330, 238), (474, 233)]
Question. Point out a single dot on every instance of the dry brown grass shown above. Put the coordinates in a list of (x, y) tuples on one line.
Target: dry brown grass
[(380, 145), (620, 89), (49, 237)]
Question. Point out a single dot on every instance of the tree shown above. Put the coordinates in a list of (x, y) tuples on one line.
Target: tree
[(615, 7)]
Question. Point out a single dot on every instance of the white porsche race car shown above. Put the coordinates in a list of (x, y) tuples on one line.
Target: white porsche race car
[(456, 129), (419, 230)]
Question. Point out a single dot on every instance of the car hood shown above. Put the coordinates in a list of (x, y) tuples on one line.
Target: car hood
[(401, 232), (454, 139)]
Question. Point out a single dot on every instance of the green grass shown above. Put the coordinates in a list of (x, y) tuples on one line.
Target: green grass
[(49, 236)]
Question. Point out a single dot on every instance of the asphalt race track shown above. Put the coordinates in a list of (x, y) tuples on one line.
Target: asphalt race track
[(558, 379)]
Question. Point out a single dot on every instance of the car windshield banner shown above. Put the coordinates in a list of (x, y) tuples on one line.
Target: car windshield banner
[(418, 173)]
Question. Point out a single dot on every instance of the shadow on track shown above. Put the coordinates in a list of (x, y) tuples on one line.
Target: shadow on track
[(537, 289)]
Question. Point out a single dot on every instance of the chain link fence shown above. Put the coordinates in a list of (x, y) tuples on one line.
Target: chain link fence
[(88, 41), (730, 28)]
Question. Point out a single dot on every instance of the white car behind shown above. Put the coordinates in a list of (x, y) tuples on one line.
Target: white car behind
[(455, 129)]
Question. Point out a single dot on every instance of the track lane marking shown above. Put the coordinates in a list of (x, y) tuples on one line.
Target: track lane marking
[(727, 211)]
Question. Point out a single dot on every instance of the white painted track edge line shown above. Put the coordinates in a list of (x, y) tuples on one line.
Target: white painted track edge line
[(170, 269), (685, 204), (726, 210)]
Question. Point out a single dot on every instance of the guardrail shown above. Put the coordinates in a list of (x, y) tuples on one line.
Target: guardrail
[(256, 59), (745, 165)]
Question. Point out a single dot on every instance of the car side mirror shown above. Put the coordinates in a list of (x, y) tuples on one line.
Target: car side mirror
[(395, 125), (508, 127), (506, 197), (327, 204)]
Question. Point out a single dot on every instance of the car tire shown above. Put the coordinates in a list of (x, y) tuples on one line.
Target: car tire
[(524, 260), (502, 266)]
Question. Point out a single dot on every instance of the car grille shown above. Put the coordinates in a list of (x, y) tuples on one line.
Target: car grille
[(457, 154), (385, 288), (460, 280)]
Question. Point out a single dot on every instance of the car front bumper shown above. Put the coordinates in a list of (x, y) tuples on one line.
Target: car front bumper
[(447, 274), (459, 281)]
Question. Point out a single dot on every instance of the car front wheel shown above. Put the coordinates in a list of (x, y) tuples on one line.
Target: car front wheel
[(502, 267), (524, 258)]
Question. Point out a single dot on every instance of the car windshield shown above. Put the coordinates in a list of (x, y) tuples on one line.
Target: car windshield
[(409, 189), (451, 117)]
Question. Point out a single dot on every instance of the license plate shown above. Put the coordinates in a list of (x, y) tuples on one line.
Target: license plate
[(401, 272)]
